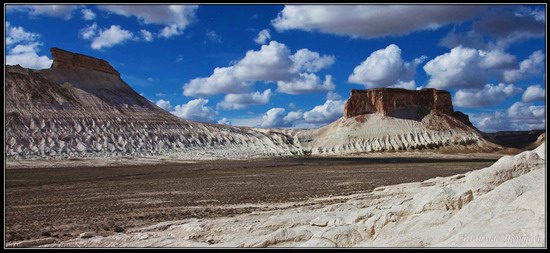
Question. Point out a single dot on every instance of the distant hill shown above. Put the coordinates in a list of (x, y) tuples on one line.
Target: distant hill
[(516, 139)]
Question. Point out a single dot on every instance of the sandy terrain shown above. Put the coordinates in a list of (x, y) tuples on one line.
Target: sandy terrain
[(63, 202)]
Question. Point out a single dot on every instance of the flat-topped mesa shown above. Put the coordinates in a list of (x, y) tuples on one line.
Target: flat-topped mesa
[(396, 102), (63, 59)]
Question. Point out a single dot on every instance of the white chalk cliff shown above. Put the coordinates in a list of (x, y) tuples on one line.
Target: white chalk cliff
[(86, 111)]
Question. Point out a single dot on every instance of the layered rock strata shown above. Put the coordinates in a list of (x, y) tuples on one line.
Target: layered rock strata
[(401, 103), (63, 59), (65, 113)]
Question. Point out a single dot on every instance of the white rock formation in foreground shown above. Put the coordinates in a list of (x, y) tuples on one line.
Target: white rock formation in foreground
[(499, 206)]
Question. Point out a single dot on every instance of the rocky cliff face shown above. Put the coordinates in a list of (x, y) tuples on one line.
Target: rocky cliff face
[(82, 108), (67, 60), (401, 103), (387, 119)]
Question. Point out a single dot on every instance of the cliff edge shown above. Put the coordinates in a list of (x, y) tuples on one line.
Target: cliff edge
[(63, 59), (402, 103)]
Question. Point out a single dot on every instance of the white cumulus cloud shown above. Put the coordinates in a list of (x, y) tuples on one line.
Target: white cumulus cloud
[(410, 85), (331, 95), (293, 117), (263, 36), (170, 31), (526, 111), (519, 116), (458, 68), (224, 121), (88, 32), (18, 34), (164, 104), (328, 112), (497, 59), (320, 115), (490, 95), (147, 36), (22, 48), (466, 67), (272, 63), (26, 55), (274, 117), (492, 122), (175, 17), (384, 68), (52, 10), (239, 101), (223, 80), (305, 83), (88, 14), (195, 110), (110, 37), (309, 61), (371, 21), (532, 66), (534, 93)]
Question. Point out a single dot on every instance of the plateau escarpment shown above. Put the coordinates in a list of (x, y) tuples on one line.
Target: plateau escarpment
[(391, 119), (401, 103), (81, 107), (67, 60)]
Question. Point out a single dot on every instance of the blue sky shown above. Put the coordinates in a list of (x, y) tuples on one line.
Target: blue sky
[(294, 66)]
